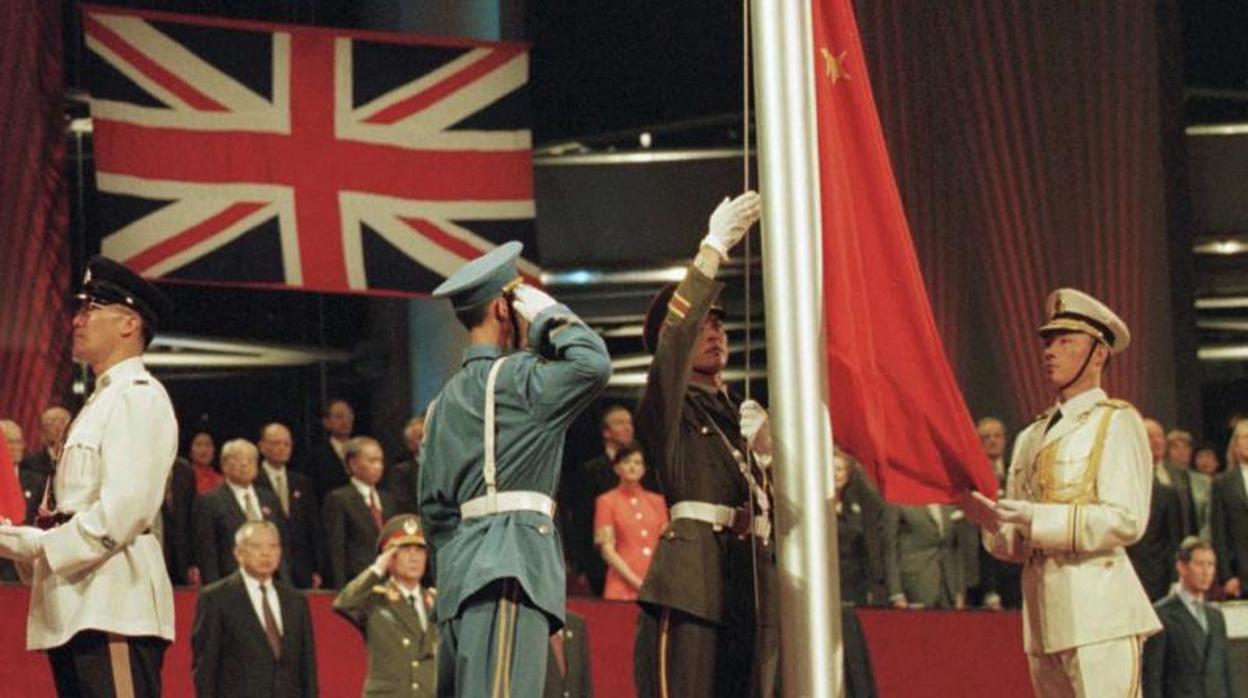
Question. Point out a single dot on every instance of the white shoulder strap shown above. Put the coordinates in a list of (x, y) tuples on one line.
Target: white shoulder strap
[(491, 484)]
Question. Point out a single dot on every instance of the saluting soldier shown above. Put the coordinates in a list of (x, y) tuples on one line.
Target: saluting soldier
[(101, 601), (1077, 495), (489, 469), (392, 604), (712, 639)]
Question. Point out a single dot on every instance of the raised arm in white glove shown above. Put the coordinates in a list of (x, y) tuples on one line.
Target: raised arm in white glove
[(530, 302), (730, 221), (755, 427)]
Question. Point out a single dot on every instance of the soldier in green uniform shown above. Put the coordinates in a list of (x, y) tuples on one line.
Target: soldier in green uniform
[(715, 634), (489, 469), (393, 606)]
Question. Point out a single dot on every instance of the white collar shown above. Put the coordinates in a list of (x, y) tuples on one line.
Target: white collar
[(253, 584), (239, 490), (1082, 401), (365, 490), (125, 368)]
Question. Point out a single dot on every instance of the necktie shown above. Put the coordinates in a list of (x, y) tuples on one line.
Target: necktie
[(416, 608), (1057, 417), (253, 514), (1201, 616), (375, 508), (279, 484), (271, 632)]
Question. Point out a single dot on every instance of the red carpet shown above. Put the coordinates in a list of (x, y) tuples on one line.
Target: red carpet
[(915, 654)]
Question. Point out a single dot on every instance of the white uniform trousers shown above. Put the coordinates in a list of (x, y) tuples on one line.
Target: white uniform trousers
[(1109, 669)]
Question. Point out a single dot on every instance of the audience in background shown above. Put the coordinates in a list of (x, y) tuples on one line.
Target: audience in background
[(175, 525), (1000, 582), (1205, 467), (859, 533), (1153, 553), (627, 522), (1190, 656), (52, 425), (220, 513), (31, 483), (202, 454), (355, 512), (14, 440), (1228, 514), (299, 507), (252, 634), (400, 479), (579, 490), (327, 458), (922, 563)]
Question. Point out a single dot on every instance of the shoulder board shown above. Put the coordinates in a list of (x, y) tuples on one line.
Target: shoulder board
[(380, 588), (1115, 404), (140, 381), (1043, 416)]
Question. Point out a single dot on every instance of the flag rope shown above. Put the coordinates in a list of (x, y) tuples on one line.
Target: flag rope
[(745, 176)]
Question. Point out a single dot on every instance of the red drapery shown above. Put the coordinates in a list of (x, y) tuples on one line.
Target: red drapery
[(1026, 142), (34, 247)]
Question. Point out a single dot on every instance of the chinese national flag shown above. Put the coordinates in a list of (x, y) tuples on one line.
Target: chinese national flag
[(12, 505), (895, 404)]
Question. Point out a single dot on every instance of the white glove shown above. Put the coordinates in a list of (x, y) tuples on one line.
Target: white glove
[(755, 427), (1015, 511), (530, 302), (20, 543), (730, 221)]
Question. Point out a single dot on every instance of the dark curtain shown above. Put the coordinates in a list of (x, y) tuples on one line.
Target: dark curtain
[(1027, 142), (34, 248)]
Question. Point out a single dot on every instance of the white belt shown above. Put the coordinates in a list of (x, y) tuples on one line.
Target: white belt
[(719, 516), (507, 501)]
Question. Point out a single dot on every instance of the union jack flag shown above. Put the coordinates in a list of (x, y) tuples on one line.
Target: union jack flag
[(304, 157)]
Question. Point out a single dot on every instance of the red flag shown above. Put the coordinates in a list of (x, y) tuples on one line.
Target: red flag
[(12, 504), (895, 404)]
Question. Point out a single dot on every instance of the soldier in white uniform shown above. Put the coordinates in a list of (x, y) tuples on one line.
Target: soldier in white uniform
[(101, 602), (1078, 493)]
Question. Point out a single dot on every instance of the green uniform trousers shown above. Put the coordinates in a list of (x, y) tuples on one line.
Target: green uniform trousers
[(496, 647)]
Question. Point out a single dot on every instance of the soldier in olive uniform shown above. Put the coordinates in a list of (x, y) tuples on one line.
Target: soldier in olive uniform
[(489, 469), (715, 635), (390, 603)]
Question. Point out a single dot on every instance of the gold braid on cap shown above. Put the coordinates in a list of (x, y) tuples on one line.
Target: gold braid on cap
[(512, 285)]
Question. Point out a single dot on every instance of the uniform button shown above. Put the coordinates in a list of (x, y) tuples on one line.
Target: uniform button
[(406, 642), (644, 533), (543, 529), (415, 663), (639, 516), (633, 501), (645, 551), (415, 686)]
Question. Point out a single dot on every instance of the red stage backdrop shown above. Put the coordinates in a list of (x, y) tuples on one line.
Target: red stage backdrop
[(303, 157), (34, 245), (895, 403), (1026, 140)]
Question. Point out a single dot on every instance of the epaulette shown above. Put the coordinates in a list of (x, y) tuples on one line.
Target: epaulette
[(1043, 416), (140, 381), (1115, 404)]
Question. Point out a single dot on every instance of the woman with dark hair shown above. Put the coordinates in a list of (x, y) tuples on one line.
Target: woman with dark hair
[(627, 522), (202, 454), (859, 529)]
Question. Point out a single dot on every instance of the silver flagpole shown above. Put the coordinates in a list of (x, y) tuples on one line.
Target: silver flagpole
[(810, 624)]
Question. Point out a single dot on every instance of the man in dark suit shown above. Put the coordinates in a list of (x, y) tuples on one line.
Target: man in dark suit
[(922, 566), (1228, 515), (299, 506), (355, 512), (1171, 475), (401, 478), (1152, 555), (176, 524), (31, 483), (567, 672), (326, 460), (220, 513), (52, 425), (1000, 582), (252, 634), (1189, 659)]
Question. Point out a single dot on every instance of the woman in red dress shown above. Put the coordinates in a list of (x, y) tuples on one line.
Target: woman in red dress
[(202, 454), (627, 524)]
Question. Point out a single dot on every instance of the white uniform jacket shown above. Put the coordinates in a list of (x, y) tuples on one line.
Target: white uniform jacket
[(101, 569), (1090, 478)]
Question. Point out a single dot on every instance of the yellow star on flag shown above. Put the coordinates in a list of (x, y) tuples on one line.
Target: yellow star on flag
[(834, 66)]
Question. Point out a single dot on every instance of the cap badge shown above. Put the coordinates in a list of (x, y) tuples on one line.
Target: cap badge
[(1059, 306), (410, 527)]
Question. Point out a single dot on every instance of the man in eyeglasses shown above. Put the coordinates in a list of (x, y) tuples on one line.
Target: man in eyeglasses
[(101, 602)]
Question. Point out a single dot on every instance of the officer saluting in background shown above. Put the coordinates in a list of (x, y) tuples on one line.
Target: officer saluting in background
[(489, 469), (101, 602)]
